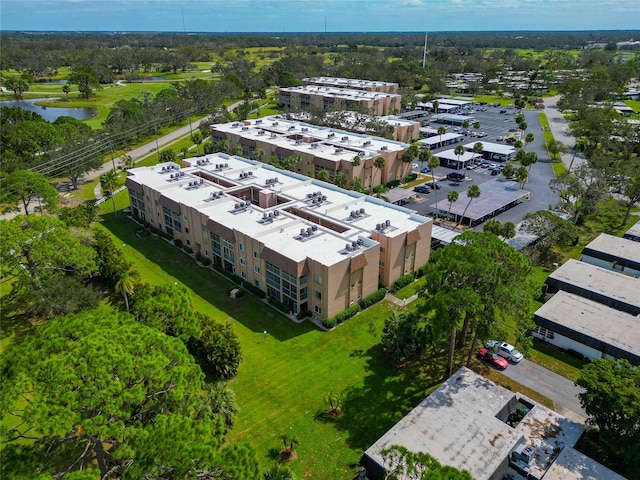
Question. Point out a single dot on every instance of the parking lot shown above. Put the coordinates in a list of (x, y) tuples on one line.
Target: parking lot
[(494, 124)]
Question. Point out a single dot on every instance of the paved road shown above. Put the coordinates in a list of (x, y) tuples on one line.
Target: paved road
[(560, 390), (560, 129)]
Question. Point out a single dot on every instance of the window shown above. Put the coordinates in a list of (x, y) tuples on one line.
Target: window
[(317, 294), (382, 250), (227, 251), (317, 309), (256, 269), (317, 279), (303, 280), (381, 264), (186, 230), (241, 247), (242, 262), (258, 284), (543, 332), (188, 242), (243, 275), (216, 244), (303, 293), (185, 218), (256, 255)]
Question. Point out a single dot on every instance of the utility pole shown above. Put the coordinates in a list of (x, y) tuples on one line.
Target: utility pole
[(155, 131), (424, 54), (113, 163)]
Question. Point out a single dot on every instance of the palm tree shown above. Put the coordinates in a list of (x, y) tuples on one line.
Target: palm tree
[(434, 162), (478, 148), (127, 284), (459, 150), (409, 156), (380, 163), (531, 159), (452, 196), (110, 181), (472, 192), (441, 131), (521, 176), (529, 138), (465, 124), (579, 147), (126, 162), (556, 148), (476, 125)]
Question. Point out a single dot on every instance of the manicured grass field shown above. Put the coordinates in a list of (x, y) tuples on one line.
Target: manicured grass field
[(284, 381)]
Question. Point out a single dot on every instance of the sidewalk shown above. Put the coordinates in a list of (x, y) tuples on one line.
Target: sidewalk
[(399, 301)]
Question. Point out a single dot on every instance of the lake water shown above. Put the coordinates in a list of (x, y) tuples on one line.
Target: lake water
[(50, 113)]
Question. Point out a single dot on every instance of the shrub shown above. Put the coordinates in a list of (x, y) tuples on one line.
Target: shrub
[(177, 242), (348, 313), (279, 305), (304, 314), (422, 271), (153, 230), (187, 249), (410, 178), (255, 290), (393, 183), (375, 297), (577, 355), (329, 322), (403, 281), (380, 189)]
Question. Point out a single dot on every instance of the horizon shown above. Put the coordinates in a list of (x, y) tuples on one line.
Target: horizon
[(315, 16)]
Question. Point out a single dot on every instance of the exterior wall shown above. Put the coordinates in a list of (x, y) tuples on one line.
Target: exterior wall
[(397, 258), (394, 167), (569, 344), (618, 267), (302, 100)]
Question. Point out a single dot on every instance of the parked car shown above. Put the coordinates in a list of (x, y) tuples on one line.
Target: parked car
[(433, 185), (493, 358), (425, 170), (503, 111), (505, 350), (484, 164), (456, 176), (495, 171), (415, 166), (422, 189), (499, 139)]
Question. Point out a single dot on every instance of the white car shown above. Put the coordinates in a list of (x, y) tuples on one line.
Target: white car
[(505, 350)]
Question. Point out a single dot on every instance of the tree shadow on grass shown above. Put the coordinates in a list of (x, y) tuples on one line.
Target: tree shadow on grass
[(205, 282), (387, 394)]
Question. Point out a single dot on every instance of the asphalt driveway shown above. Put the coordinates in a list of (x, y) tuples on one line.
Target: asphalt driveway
[(560, 390)]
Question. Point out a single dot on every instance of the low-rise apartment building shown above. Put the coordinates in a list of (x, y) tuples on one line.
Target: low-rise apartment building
[(308, 244), (319, 148), (357, 84), (332, 98)]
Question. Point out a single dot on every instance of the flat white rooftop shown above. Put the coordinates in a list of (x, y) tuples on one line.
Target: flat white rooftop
[(602, 282), (634, 231), (446, 137), (451, 155), (349, 82), (458, 425), (335, 92), (616, 247), (450, 101), (344, 216), (597, 321), (492, 147), (449, 117), (324, 142)]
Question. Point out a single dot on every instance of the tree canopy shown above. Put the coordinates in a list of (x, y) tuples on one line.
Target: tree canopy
[(401, 463), (106, 391), (612, 402)]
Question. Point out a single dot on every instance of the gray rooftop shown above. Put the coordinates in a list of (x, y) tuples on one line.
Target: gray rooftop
[(573, 465), (495, 195), (597, 280), (458, 425), (634, 231), (597, 321), (616, 247)]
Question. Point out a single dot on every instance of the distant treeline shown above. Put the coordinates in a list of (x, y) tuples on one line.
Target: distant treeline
[(38, 50)]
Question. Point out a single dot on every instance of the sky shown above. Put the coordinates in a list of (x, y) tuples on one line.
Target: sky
[(310, 15)]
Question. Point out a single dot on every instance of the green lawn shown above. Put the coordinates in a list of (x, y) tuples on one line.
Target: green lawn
[(504, 101), (283, 382), (410, 289)]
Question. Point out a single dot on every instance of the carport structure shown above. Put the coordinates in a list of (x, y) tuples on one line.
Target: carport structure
[(448, 158), (452, 119), (497, 196), (493, 151), (439, 141)]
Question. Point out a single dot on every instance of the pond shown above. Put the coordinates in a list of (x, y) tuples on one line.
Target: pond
[(51, 113)]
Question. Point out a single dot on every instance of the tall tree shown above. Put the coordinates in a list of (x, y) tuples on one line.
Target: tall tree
[(459, 150), (441, 131), (380, 164), (612, 401), (217, 349), (452, 196), (86, 79), (580, 191), (25, 186), (110, 182), (473, 192), (434, 162), (35, 249), (115, 398)]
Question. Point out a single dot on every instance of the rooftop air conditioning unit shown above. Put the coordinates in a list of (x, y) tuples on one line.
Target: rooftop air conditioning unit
[(384, 148)]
